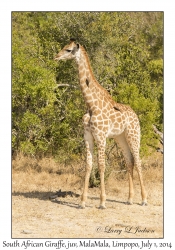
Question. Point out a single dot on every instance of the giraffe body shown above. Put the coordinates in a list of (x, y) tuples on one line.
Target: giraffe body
[(105, 119)]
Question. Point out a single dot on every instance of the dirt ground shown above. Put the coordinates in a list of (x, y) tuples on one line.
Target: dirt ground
[(34, 215)]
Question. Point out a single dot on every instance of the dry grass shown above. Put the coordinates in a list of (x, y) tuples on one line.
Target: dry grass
[(44, 171), (48, 176), (34, 180), (26, 163)]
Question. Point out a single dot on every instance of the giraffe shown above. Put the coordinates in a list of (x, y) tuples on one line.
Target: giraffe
[(105, 119)]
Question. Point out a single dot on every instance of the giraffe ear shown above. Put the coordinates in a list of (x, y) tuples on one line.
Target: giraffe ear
[(75, 49)]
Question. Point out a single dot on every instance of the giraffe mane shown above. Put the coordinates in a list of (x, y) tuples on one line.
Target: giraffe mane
[(103, 90)]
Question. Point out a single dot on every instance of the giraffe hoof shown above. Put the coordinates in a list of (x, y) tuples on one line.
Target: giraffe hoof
[(144, 203), (102, 207), (129, 203), (81, 206)]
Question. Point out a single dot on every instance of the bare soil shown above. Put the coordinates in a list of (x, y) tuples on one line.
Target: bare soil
[(34, 215)]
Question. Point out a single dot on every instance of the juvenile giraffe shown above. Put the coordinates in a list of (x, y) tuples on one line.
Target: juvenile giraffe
[(105, 119)]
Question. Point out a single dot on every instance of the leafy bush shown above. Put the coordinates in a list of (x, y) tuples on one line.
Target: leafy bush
[(125, 50)]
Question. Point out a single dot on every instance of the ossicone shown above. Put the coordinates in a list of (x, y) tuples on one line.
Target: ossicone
[(72, 39)]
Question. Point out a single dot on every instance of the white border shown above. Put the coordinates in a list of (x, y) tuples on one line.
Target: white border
[(5, 94)]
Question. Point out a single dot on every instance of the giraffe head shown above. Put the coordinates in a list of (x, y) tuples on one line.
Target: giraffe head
[(69, 51)]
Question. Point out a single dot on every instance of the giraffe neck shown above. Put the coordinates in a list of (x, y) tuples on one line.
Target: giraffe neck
[(91, 89)]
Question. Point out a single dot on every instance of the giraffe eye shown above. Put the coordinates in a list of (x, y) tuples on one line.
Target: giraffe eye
[(68, 50)]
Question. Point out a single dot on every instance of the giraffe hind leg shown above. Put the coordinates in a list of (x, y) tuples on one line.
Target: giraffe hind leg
[(134, 144), (121, 141)]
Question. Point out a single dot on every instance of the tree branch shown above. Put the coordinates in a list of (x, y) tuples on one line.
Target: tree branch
[(66, 85), (158, 133)]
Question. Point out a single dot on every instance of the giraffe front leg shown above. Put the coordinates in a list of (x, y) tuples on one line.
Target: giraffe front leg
[(101, 165), (89, 142)]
